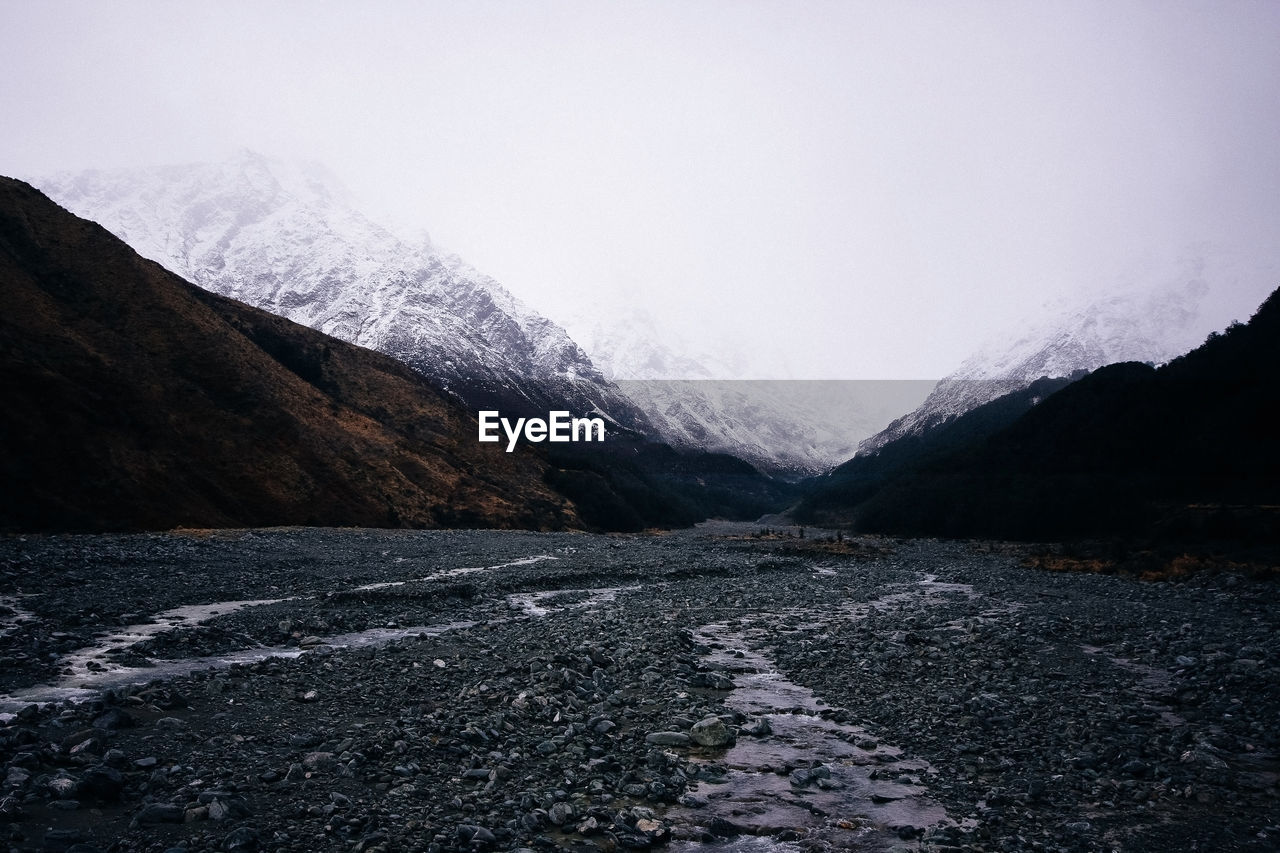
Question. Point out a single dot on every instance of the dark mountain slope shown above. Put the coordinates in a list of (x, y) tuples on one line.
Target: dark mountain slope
[(630, 485), (831, 496), (1128, 449), (134, 400)]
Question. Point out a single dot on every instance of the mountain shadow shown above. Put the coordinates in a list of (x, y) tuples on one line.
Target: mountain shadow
[(134, 400)]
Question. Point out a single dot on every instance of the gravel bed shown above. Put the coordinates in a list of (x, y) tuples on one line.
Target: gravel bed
[(585, 700)]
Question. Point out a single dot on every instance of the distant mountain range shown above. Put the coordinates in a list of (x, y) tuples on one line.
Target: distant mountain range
[(1186, 449), (288, 239), (788, 427), (1166, 317), (135, 400), (297, 467)]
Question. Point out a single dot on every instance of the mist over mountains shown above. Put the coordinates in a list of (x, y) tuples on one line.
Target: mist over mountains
[(286, 238), (1166, 314), (698, 399), (1184, 450)]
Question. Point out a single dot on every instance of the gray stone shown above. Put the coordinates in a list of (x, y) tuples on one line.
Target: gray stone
[(159, 813), (114, 719), (323, 762), (242, 840), (102, 782), (710, 731), (667, 739)]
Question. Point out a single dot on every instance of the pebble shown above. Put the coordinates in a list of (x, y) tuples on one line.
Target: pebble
[(561, 726)]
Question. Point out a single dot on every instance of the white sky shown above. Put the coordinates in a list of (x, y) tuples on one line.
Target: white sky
[(871, 185)]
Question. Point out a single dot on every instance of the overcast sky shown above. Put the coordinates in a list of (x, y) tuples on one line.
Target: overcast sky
[(879, 184)]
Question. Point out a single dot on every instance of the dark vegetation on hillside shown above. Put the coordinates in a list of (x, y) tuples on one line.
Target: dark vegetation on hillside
[(1186, 451), (828, 497), (134, 400)]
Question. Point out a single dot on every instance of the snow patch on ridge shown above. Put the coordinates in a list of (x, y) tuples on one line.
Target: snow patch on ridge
[(287, 238), (1159, 317)]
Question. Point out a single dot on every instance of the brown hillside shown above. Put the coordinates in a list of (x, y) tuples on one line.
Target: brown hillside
[(134, 400)]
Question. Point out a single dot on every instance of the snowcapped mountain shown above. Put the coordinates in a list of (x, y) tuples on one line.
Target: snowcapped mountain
[(696, 400), (288, 238), (1169, 314), (630, 343), (789, 427)]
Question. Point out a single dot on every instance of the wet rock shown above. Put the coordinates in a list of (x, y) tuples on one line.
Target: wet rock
[(87, 749), (712, 680), (477, 836), (159, 813), (560, 813), (1137, 768), (306, 740), (322, 762), (667, 739), (228, 808), (710, 731), (62, 840), (114, 719), (654, 831), (17, 777), (11, 809), (242, 840), (102, 783), (63, 786), (722, 827)]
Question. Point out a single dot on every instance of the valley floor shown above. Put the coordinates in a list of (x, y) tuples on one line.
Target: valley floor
[(364, 690)]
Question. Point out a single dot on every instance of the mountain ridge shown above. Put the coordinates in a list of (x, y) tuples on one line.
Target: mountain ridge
[(287, 238), (136, 400), (1186, 449), (1155, 321)]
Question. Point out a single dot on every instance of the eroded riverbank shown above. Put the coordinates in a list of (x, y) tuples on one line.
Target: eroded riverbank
[(442, 691)]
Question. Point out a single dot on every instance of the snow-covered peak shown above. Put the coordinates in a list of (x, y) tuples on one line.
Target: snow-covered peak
[(1148, 324), (1156, 317), (187, 216), (287, 237), (633, 344)]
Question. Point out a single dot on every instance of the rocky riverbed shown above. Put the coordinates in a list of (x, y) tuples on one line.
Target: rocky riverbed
[(704, 690)]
